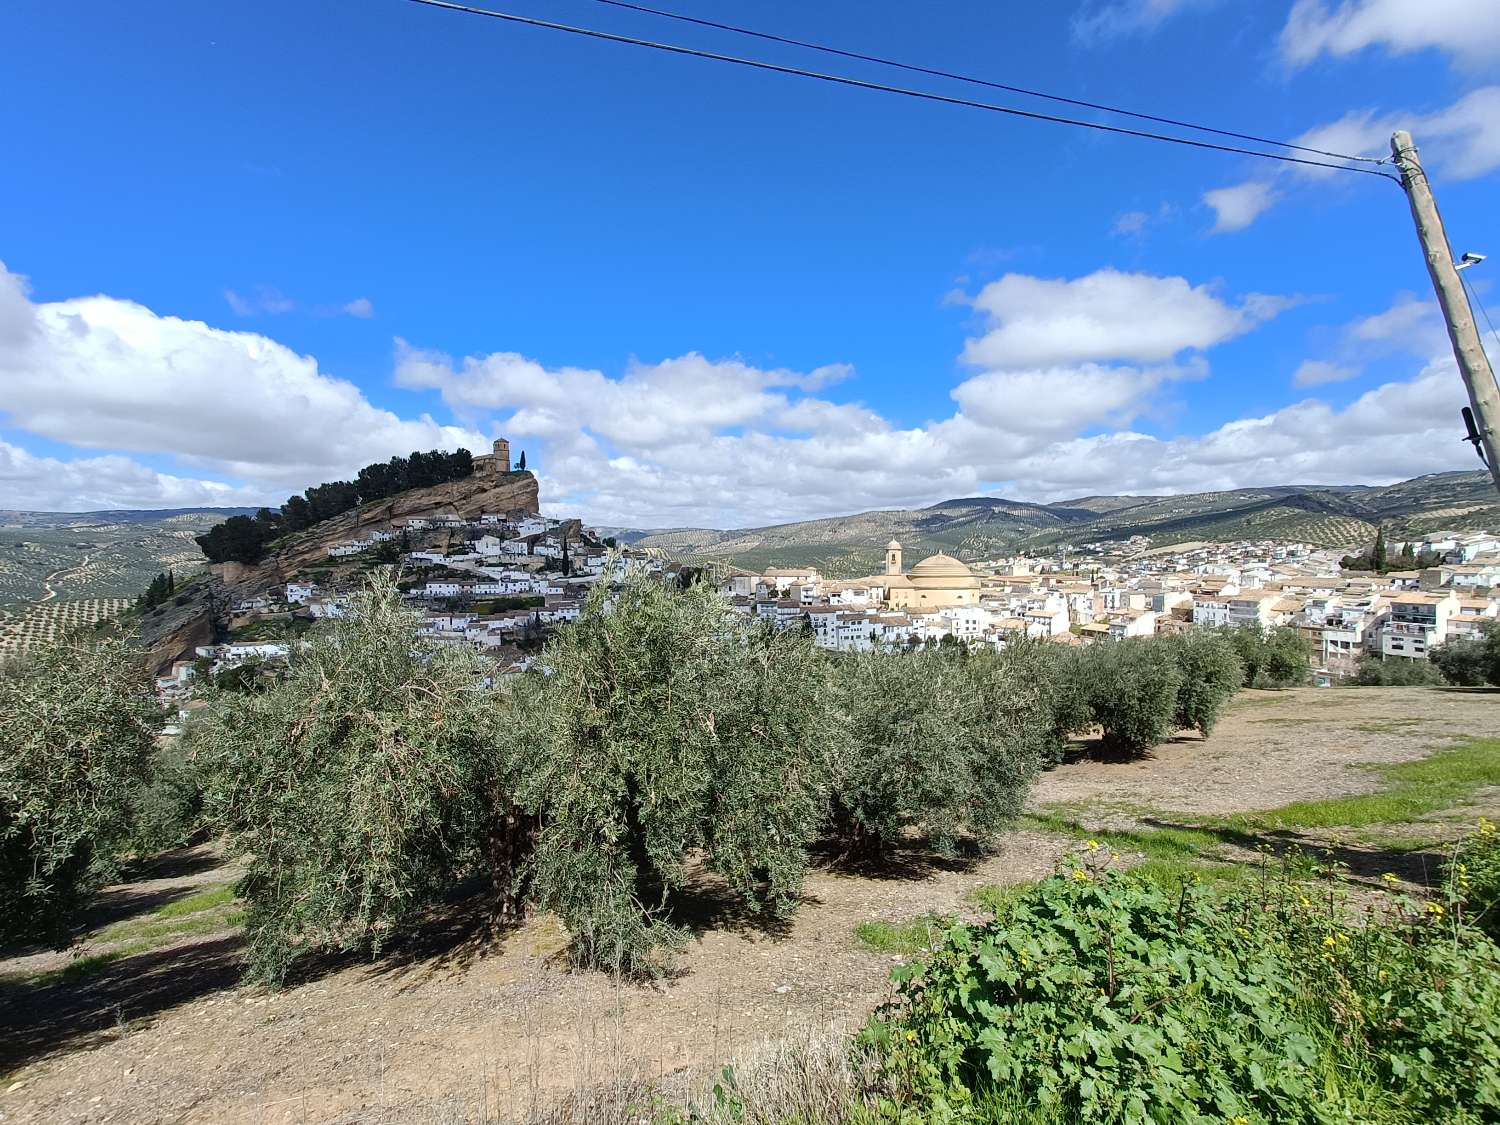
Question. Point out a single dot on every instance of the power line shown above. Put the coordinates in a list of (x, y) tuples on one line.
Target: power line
[(913, 68), (862, 84)]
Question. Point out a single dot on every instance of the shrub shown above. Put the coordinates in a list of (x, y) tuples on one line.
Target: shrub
[(363, 786), (665, 726), (1132, 691), (1099, 997), (1211, 673), (939, 741), (1470, 661), (1396, 671), (77, 723), (1278, 658)]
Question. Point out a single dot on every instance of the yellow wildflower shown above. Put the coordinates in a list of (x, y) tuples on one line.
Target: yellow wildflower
[(1092, 845)]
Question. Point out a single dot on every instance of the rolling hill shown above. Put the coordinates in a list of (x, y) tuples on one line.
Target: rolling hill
[(80, 555), (979, 527)]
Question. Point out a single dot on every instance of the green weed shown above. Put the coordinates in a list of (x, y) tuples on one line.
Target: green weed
[(194, 904), (903, 938), (1413, 790)]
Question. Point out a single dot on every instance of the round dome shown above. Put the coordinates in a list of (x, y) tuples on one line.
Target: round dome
[(893, 546), (942, 571)]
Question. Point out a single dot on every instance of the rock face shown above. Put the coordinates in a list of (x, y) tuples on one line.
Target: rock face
[(171, 631), (503, 493)]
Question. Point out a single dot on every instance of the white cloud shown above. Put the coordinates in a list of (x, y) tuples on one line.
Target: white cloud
[(1411, 324), (266, 299), (694, 440), (1235, 208), (1467, 29), (1398, 430), (1034, 322), (1460, 142), (107, 374), (46, 484), (1058, 401), (1316, 372), (1133, 224), (361, 307), (1101, 20)]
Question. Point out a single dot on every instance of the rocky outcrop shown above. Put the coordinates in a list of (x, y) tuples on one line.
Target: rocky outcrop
[(172, 630), (483, 492)]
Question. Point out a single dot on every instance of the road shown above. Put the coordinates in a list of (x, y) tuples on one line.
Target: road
[(47, 582)]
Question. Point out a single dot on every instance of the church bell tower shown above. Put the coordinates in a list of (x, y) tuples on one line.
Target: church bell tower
[(893, 557)]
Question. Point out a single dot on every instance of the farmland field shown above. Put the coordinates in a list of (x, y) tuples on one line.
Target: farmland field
[(47, 621), (47, 556)]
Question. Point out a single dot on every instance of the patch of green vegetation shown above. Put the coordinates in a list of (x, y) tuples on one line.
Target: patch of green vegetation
[(1168, 854), (1413, 790), (78, 969), (996, 895), (903, 938), (194, 904), (201, 913)]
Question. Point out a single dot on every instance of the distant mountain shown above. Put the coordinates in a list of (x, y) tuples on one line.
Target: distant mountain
[(979, 527)]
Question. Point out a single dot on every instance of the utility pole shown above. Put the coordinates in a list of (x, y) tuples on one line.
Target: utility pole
[(1468, 349)]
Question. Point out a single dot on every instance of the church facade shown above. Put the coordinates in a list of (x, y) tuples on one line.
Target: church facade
[(937, 582)]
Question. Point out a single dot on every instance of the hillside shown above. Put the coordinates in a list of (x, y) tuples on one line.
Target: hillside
[(82, 555), (980, 527)]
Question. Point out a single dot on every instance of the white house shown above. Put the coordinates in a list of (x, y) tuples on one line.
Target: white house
[(298, 592)]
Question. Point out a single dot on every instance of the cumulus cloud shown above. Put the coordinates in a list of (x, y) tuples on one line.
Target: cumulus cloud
[(1398, 430), (1460, 142), (1033, 321), (1235, 208), (1102, 20), (101, 373), (1064, 371), (1469, 30), (361, 307), (32, 483)]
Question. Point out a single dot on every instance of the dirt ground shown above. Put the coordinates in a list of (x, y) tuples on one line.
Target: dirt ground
[(454, 1032)]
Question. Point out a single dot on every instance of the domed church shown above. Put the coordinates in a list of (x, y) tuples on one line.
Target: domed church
[(937, 582)]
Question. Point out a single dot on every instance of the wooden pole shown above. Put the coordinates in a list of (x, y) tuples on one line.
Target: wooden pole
[(1468, 348)]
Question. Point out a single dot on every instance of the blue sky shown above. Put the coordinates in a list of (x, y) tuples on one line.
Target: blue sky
[(249, 248)]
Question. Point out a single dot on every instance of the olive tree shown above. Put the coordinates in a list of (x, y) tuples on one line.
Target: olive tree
[(77, 726), (664, 725), (942, 742), (1132, 688), (1210, 673), (362, 786)]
